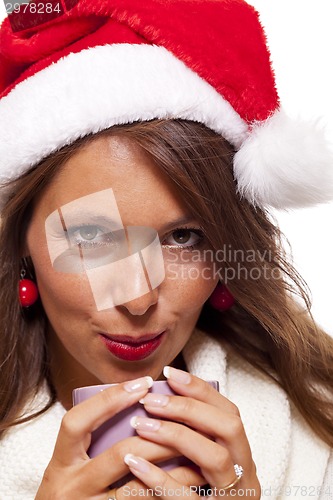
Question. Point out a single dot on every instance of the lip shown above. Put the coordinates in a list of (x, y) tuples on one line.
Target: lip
[(130, 348)]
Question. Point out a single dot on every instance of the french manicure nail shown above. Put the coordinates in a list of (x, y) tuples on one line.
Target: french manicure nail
[(136, 463), (145, 424), (156, 400), (138, 384), (177, 375)]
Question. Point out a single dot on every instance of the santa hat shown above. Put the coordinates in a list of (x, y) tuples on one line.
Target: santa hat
[(108, 62)]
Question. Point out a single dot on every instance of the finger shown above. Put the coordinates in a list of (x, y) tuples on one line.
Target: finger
[(188, 385), (133, 489), (188, 475), (214, 460), (226, 428), (183, 475), (79, 422), (162, 484), (108, 467)]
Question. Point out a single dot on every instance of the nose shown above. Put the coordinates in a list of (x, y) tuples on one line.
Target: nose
[(140, 305)]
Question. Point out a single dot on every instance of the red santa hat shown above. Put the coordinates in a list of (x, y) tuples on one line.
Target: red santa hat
[(108, 62)]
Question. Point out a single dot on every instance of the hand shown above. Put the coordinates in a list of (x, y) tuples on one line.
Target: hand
[(71, 474), (213, 438)]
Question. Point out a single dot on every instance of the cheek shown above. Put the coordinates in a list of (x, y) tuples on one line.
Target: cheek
[(189, 286), (64, 292), (61, 293)]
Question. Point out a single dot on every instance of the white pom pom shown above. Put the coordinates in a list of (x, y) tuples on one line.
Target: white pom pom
[(285, 163)]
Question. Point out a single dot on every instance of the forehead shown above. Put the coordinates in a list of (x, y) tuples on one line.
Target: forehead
[(118, 163)]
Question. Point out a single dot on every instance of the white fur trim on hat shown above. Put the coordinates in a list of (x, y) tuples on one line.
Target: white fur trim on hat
[(280, 162), (96, 88), (285, 163)]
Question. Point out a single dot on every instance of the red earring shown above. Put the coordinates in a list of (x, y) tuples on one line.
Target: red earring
[(221, 299), (28, 291)]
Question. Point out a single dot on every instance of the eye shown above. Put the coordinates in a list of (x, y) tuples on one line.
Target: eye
[(184, 238), (90, 235), (88, 232)]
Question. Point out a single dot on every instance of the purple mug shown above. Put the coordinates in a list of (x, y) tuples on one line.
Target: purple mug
[(118, 427)]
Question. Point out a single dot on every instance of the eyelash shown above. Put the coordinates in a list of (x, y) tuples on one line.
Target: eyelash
[(89, 244), (194, 230)]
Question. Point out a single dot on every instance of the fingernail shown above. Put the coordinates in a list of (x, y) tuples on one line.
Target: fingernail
[(177, 375), (136, 463), (156, 400), (138, 384), (145, 424)]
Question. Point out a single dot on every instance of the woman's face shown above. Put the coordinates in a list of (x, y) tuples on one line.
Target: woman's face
[(88, 343)]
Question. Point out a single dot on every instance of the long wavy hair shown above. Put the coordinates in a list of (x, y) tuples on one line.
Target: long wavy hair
[(270, 325)]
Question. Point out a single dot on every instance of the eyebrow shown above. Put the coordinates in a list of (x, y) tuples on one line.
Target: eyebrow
[(182, 221), (90, 218)]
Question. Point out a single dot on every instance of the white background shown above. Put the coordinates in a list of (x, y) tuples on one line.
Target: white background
[(300, 36)]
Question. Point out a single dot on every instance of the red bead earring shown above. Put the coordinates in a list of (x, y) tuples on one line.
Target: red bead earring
[(221, 299), (28, 291)]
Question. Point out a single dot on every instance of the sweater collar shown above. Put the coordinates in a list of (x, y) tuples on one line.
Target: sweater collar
[(278, 436)]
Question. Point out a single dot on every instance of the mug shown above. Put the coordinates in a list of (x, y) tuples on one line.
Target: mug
[(118, 427)]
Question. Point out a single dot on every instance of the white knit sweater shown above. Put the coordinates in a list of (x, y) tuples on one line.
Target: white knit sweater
[(291, 461)]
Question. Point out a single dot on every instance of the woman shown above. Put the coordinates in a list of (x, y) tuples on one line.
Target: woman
[(118, 126)]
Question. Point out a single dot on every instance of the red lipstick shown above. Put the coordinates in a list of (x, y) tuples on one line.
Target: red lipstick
[(132, 349)]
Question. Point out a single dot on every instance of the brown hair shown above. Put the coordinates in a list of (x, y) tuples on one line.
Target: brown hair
[(267, 327)]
